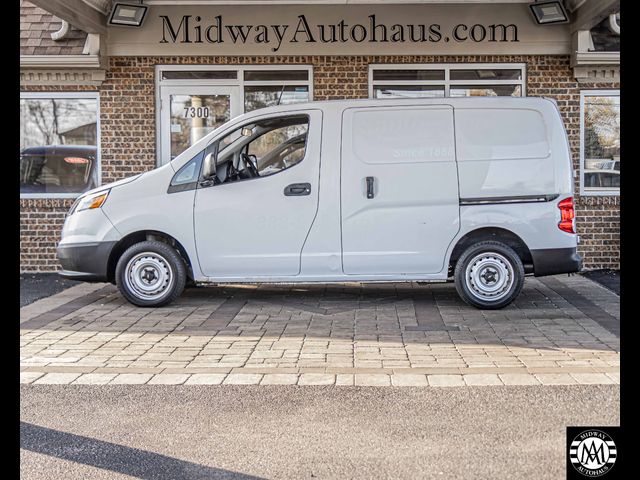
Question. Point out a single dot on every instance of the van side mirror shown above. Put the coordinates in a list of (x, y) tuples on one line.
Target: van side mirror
[(209, 167)]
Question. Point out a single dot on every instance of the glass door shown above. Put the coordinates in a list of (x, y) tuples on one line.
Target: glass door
[(189, 113)]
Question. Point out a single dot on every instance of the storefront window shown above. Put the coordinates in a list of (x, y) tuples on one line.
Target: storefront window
[(276, 75), (600, 142), (195, 99), (199, 75), (267, 88), (451, 80), (195, 115), (485, 91), (485, 74), (268, 96), (413, 91), (59, 148), (399, 75)]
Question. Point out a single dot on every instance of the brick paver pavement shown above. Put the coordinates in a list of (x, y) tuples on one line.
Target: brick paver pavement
[(560, 330)]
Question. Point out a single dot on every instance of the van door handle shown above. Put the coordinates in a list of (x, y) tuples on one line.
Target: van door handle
[(297, 189), (370, 187)]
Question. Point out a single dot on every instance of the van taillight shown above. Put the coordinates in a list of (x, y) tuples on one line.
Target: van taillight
[(567, 214)]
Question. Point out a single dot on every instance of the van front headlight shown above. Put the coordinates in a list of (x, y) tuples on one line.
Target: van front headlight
[(90, 202)]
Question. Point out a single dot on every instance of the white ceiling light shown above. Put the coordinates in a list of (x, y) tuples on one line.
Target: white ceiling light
[(549, 12), (127, 14)]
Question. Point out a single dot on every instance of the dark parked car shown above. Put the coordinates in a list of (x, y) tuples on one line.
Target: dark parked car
[(58, 169), (602, 179)]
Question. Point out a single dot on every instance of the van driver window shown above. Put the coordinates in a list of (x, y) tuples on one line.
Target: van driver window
[(262, 148)]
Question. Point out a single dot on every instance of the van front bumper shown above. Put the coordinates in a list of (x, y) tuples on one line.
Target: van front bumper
[(85, 261), (551, 261)]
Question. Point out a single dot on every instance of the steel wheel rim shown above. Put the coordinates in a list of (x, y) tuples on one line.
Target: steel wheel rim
[(489, 276), (149, 276)]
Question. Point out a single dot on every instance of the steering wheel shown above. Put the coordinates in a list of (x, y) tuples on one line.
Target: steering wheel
[(249, 165)]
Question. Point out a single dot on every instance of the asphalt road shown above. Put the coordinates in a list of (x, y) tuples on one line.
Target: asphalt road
[(34, 286), (245, 432), (607, 278)]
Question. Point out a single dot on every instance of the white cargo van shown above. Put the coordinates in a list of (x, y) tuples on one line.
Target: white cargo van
[(479, 190)]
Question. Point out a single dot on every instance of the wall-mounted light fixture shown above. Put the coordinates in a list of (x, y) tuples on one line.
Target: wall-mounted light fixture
[(127, 14), (549, 12)]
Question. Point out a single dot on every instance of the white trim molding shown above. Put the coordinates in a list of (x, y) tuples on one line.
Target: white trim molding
[(591, 66), (596, 67), (61, 77), (60, 61), (64, 69), (597, 58), (597, 73)]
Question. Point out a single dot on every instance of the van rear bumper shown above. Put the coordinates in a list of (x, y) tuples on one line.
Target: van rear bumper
[(550, 261), (85, 261)]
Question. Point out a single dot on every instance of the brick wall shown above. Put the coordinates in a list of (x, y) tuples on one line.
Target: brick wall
[(40, 224), (127, 115)]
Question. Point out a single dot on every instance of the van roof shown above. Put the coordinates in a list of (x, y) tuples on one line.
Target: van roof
[(487, 102)]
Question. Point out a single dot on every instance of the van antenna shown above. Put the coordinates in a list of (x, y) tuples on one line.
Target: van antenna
[(280, 96)]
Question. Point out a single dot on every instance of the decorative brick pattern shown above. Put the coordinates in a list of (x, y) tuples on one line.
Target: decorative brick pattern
[(128, 120), (40, 224), (555, 332)]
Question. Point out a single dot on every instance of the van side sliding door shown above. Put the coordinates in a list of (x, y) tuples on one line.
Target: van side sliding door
[(399, 189)]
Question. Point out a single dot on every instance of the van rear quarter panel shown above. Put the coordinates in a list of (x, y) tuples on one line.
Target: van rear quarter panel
[(535, 223), (511, 150), (503, 152)]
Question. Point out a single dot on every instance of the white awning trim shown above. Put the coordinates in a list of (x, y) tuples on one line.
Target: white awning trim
[(59, 61), (40, 76), (597, 58)]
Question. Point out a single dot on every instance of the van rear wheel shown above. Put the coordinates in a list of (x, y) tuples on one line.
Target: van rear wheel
[(489, 275), (150, 274)]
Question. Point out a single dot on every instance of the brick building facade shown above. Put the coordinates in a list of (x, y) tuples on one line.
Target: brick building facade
[(127, 90)]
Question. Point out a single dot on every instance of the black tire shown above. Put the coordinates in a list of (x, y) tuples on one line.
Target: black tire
[(162, 264), (485, 266)]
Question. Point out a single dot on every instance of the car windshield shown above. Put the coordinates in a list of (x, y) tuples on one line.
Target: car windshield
[(56, 173)]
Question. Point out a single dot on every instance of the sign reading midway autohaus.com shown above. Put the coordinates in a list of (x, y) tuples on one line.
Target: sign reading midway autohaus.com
[(454, 29), (196, 29)]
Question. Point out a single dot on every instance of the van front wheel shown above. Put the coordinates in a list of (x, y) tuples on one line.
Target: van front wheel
[(150, 274), (489, 275)]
